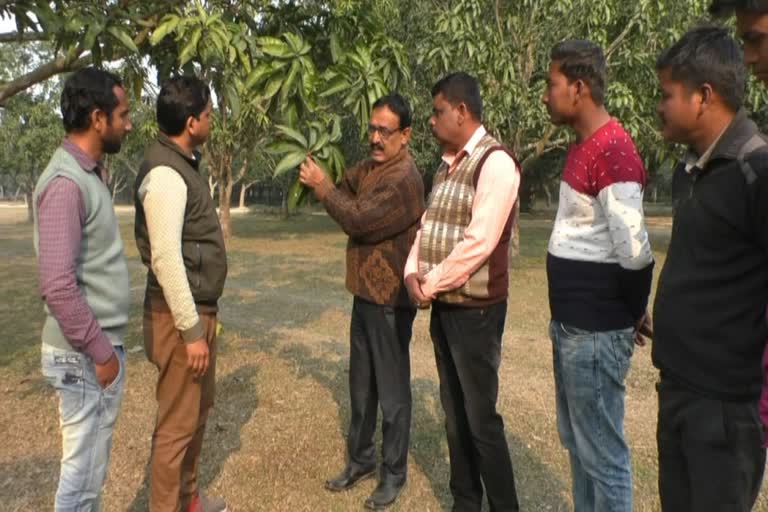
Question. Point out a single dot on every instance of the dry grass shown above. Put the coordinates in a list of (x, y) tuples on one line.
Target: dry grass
[(282, 406)]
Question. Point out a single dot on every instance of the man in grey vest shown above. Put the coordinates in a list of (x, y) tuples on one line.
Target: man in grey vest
[(84, 282), (180, 241), (459, 264)]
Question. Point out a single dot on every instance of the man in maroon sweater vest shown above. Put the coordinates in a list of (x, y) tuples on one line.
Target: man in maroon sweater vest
[(378, 204)]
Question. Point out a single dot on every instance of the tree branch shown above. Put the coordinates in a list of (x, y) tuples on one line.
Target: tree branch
[(616, 42), (22, 37), (498, 19), (61, 64)]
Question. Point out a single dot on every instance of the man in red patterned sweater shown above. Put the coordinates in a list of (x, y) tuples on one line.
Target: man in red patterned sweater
[(599, 267)]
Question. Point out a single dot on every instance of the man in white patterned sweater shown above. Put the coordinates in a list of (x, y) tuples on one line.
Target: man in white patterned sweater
[(180, 241), (599, 269)]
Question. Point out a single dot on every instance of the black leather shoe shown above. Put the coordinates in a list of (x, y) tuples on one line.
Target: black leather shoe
[(348, 478), (384, 495)]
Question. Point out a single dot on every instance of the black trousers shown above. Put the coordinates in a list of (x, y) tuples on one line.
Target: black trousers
[(711, 456), (380, 373), (467, 345)]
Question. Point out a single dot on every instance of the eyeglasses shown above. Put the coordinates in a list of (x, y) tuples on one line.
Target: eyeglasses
[(382, 130)]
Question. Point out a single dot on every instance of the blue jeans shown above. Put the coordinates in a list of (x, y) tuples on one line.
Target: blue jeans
[(590, 368), (87, 415)]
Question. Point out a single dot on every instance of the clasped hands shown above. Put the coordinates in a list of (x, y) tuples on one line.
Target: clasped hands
[(413, 284)]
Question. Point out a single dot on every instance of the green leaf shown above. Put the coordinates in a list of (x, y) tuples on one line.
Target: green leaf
[(321, 142), (336, 129), (335, 47), (272, 86), (288, 162), (338, 84), (296, 194), (89, 41), (190, 49), (124, 38), (257, 74), (292, 133), (295, 42), (281, 147), (234, 100), (165, 28), (273, 47), (138, 86), (289, 82)]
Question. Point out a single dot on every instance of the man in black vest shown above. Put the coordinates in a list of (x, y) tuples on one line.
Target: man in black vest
[(709, 311), (180, 241)]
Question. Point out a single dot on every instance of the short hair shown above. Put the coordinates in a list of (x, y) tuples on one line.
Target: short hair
[(458, 88), (582, 60), (708, 54), (84, 91), (180, 98), (722, 8), (397, 104)]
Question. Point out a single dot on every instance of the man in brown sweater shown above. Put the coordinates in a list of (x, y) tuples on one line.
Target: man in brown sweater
[(378, 204)]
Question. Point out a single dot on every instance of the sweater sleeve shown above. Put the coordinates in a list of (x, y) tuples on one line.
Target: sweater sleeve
[(163, 194), (621, 177), (389, 209)]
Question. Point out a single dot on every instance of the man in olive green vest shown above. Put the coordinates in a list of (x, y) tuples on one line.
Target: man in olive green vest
[(180, 241)]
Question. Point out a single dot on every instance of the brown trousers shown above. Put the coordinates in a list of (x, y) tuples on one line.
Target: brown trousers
[(183, 404)]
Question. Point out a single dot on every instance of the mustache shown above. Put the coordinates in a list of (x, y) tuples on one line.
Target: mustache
[(376, 145)]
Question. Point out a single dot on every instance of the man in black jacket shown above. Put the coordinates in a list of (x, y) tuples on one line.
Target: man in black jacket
[(709, 313)]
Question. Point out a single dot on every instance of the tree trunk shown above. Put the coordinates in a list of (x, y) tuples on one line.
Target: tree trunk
[(28, 201), (243, 190), (225, 217), (284, 205), (547, 194), (212, 185)]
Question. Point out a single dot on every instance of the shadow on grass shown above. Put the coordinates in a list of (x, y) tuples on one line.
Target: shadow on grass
[(222, 436), (427, 446), (274, 227), (30, 480)]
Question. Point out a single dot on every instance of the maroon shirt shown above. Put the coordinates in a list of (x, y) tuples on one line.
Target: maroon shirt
[(61, 217)]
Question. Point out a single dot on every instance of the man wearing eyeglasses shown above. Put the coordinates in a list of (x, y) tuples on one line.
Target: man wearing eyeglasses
[(378, 203)]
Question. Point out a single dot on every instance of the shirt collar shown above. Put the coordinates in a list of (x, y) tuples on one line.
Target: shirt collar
[(699, 162), (449, 158), (83, 159)]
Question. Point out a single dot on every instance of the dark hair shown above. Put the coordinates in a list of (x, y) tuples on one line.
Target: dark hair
[(397, 104), (180, 98), (727, 7), (707, 54), (458, 88), (582, 60), (84, 91)]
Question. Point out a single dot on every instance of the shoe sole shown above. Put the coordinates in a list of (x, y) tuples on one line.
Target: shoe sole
[(350, 486), (384, 506)]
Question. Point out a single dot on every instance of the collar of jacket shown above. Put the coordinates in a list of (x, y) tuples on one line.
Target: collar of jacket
[(193, 160), (741, 129)]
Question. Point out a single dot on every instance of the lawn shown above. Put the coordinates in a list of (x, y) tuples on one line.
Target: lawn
[(282, 408)]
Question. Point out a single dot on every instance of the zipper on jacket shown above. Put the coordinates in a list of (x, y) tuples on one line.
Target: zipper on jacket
[(199, 263)]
